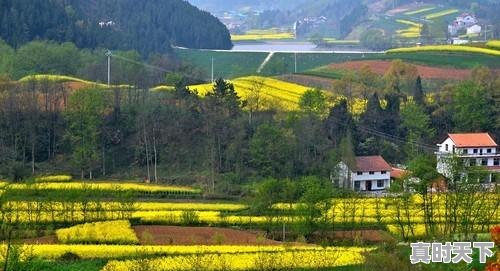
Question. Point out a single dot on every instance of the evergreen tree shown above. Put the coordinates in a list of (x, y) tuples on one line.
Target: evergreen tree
[(418, 92)]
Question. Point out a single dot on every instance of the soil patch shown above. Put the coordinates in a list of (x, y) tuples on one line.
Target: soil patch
[(173, 235), (45, 240), (426, 72)]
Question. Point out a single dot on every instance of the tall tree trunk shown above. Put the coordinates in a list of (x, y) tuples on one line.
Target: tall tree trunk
[(155, 157), (32, 157), (103, 160), (147, 147)]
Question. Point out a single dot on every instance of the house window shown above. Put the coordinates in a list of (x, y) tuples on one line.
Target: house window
[(359, 173), (384, 172), (484, 162), (475, 150), (464, 151), (446, 147), (496, 162), (380, 183), (372, 172), (357, 185), (488, 150)]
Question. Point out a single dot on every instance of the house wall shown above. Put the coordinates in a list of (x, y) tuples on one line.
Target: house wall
[(376, 176)]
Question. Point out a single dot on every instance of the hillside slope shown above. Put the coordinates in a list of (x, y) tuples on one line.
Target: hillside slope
[(146, 26)]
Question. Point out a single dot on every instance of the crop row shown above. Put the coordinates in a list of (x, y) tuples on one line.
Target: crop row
[(107, 188), (53, 252), (288, 260)]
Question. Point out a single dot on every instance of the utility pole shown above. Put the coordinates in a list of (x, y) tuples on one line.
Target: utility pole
[(295, 55), (109, 54), (212, 69)]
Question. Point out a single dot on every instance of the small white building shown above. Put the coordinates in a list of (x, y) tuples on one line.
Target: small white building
[(476, 149), (463, 21), (474, 30), (371, 173)]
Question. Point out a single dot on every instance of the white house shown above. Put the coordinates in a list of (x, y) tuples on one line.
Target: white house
[(476, 149), (463, 21), (475, 29), (371, 173)]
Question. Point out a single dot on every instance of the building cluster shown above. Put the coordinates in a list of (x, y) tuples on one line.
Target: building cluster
[(466, 23), (373, 173), (308, 25)]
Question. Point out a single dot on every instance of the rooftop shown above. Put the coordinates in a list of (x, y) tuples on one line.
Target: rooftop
[(372, 163), (473, 140)]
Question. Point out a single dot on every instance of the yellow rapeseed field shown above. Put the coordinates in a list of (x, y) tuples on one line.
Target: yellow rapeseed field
[(107, 186), (283, 260), (418, 11), (446, 48), (52, 252), (54, 179), (273, 93), (413, 31), (263, 34), (441, 14), (108, 232), (64, 78), (495, 44)]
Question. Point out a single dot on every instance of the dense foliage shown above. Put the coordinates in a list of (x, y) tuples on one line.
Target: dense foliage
[(223, 140), (146, 26)]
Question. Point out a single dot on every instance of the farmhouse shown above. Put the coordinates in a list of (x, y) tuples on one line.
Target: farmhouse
[(369, 173), (475, 149), (463, 21)]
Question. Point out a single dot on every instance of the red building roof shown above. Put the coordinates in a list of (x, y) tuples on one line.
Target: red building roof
[(372, 163), (473, 140), (397, 173)]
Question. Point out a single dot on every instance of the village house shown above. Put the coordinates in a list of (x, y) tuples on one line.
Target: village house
[(463, 21), (370, 173), (476, 149)]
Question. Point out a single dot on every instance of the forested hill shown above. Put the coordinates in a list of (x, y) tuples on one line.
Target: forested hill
[(148, 26)]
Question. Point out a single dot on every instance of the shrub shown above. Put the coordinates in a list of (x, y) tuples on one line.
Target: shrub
[(190, 218)]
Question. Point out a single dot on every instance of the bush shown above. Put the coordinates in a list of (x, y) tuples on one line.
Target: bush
[(190, 218)]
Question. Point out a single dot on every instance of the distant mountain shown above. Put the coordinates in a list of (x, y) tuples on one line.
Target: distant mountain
[(234, 5), (148, 26)]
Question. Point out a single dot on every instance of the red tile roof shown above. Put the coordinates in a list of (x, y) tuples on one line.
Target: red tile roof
[(397, 173), (473, 140), (372, 163)]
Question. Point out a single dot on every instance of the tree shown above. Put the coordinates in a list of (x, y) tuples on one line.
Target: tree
[(313, 101), (417, 125), (84, 116), (271, 150), (425, 34), (339, 122), (423, 169), (418, 92), (471, 109), (375, 39), (222, 108), (400, 77)]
